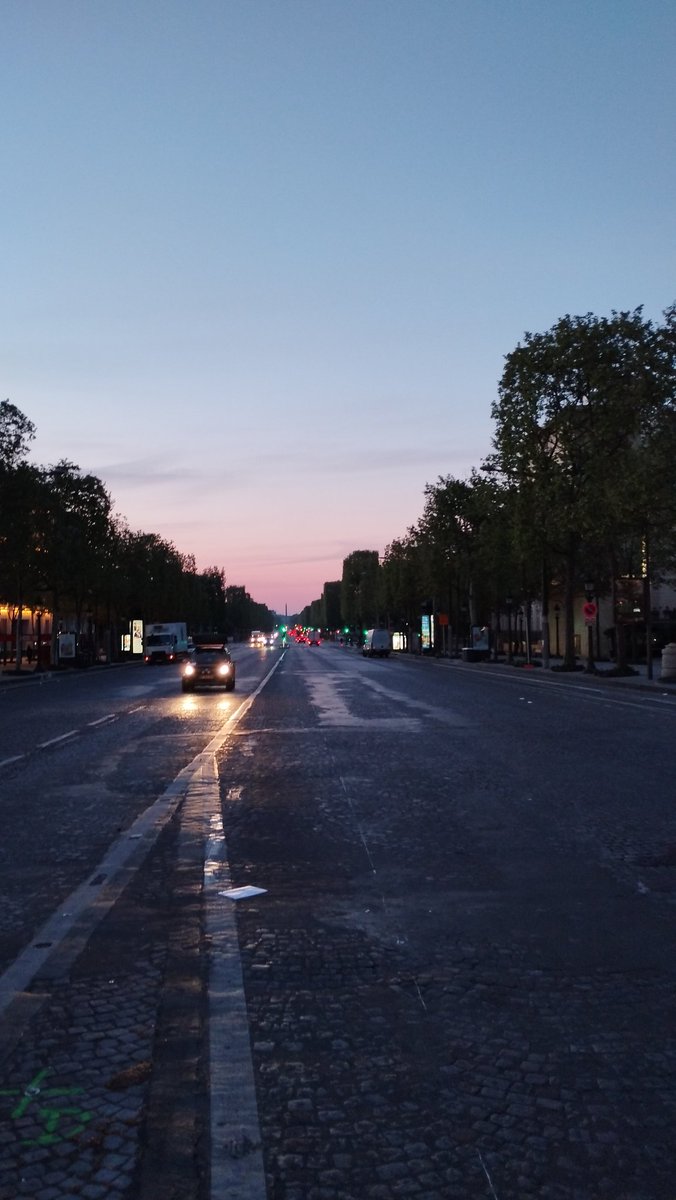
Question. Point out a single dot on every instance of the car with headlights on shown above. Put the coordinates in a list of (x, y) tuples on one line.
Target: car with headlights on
[(209, 666)]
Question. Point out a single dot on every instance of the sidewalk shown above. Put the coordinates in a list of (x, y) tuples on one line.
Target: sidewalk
[(603, 673), (9, 673)]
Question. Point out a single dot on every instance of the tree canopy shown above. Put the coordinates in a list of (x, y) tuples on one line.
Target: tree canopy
[(62, 546)]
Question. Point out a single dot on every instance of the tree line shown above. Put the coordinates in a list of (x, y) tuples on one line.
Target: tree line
[(580, 486), (64, 549)]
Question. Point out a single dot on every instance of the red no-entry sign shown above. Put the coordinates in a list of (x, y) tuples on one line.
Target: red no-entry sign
[(589, 611)]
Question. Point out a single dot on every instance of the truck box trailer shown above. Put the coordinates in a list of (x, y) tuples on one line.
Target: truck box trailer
[(165, 642)]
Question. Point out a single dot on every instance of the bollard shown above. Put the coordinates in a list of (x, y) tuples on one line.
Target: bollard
[(668, 662)]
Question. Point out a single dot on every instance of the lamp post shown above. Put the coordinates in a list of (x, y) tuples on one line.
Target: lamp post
[(508, 606)]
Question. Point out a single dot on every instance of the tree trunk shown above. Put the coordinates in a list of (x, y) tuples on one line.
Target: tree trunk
[(17, 640), (53, 647), (545, 616), (647, 610), (569, 660)]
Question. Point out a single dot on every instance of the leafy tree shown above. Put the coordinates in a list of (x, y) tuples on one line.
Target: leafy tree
[(16, 431), (401, 592), (359, 592), (330, 605), (466, 535), (76, 538), (21, 497), (20, 487), (208, 611), (153, 572), (578, 411)]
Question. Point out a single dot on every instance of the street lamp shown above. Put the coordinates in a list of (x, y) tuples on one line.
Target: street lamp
[(508, 606)]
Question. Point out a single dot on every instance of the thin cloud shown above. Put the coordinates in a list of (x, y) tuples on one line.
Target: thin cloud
[(154, 472), (318, 460)]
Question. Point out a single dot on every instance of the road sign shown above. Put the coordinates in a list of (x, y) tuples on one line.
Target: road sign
[(589, 611)]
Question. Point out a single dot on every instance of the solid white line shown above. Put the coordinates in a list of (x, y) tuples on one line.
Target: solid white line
[(236, 1158), (237, 1169), (90, 902), (17, 758), (227, 727), (62, 738)]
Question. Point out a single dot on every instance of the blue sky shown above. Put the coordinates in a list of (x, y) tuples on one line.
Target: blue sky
[(262, 260)]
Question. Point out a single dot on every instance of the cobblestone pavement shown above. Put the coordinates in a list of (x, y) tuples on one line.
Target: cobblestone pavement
[(455, 986), (79, 1118)]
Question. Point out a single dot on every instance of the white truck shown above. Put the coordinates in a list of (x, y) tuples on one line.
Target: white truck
[(167, 642)]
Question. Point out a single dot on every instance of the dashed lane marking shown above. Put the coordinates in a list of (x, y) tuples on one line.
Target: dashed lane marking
[(72, 733), (236, 1157), (61, 738)]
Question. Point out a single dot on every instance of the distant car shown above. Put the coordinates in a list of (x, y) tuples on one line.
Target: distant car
[(315, 638), (209, 666)]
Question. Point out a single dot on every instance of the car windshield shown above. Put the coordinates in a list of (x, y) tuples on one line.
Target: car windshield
[(210, 653)]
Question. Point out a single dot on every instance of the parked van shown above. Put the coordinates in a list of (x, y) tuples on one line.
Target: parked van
[(377, 642)]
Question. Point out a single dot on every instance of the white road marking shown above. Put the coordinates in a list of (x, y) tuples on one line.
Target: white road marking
[(102, 720), (236, 1166), (326, 699), (237, 1169), (16, 758), (62, 738)]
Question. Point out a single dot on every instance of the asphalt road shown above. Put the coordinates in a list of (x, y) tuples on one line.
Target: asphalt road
[(460, 974), (82, 754)]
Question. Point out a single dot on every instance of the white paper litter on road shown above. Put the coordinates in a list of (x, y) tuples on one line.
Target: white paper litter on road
[(242, 893)]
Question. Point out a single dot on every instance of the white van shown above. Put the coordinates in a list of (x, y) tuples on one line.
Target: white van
[(377, 642)]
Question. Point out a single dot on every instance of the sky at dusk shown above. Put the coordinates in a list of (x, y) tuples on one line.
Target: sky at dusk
[(262, 260)]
